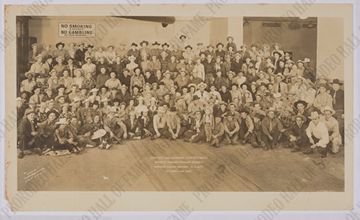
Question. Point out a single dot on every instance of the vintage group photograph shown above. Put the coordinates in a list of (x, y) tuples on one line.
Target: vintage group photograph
[(178, 103)]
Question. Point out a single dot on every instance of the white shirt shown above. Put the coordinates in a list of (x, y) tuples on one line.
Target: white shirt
[(319, 131)]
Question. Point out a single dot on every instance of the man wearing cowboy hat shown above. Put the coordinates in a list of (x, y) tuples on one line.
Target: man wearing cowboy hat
[(323, 98), (318, 135), (27, 133), (155, 49), (231, 127), (298, 139), (272, 129), (300, 107), (79, 55), (217, 132), (133, 51), (333, 127), (47, 129), (309, 72), (27, 85), (64, 139), (60, 50), (144, 50), (279, 85), (173, 124), (159, 123), (338, 96), (246, 125), (230, 43), (202, 93)]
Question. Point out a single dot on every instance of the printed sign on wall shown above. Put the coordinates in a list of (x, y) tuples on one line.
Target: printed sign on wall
[(76, 30)]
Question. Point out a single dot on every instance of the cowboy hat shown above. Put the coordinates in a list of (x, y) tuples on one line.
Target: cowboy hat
[(336, 81), (229, 37), (328, 108), (134, 44), (314, 115), (270, 110), (280, 75), (188, 46), (156, 43), (165, 44), (182, 36), (94, 90), (144, 42), (60, 43), (28, 73), (306, 60), (277, 52), (277, 95), (29, 111), (300, 102), (202, 84), (218, 44), (98, 134), (62, 121)]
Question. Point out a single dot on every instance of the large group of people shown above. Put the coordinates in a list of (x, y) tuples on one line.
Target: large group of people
[(78, 96)]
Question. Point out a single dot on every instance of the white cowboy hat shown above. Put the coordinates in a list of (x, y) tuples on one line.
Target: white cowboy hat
[(202, 84), (62, 121), (98, 134), (328, 108), (94, 90)]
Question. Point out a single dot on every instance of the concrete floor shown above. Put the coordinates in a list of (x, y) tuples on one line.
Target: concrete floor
[(163, 165)]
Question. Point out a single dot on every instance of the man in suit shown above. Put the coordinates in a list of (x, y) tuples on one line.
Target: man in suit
[(338, 96), (27, 133)]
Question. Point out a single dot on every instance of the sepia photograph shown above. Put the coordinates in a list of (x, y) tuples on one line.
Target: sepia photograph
[(180, 102)]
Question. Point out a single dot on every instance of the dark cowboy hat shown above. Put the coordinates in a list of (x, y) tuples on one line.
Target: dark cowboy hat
[(188, 46), (276, 52), (134, 44), (144, 42), (53, 111), (116, 100), (165, 44), (229, 37), (337, 81), (29, 111), (156, 43), (288, 52), (244, 110), (61, 86), (195, 97), (60, 43), (103, 87), (300, 101), (229, 114), (35, 88), (218, 44), (182, 36)]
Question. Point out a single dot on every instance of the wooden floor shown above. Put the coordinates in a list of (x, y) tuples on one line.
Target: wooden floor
[(163, 165)]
